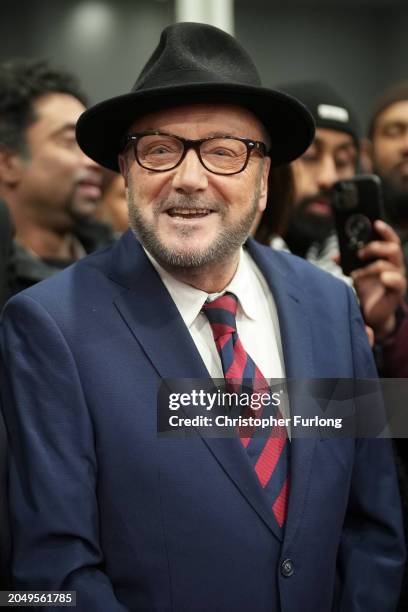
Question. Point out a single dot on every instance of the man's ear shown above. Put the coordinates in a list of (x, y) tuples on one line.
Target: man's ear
[(263, 193), (11, 167), (123, 167), (366, 155)]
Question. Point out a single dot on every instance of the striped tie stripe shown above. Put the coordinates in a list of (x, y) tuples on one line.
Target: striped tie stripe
[(269, 456)]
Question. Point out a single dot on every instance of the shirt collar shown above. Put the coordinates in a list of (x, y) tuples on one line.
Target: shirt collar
[(189, 300), (242, 286)]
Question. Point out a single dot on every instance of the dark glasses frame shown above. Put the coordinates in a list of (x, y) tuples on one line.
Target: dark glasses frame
[(251, 145)]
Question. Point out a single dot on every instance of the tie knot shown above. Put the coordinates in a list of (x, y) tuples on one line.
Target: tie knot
[(221, 314)]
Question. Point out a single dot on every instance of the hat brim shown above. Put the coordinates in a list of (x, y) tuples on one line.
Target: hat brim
[(100, 129)]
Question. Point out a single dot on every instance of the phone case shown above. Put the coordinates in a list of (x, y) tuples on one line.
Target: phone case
[(358, 202)]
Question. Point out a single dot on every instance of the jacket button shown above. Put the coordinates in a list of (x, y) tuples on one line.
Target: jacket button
[(287, 568)]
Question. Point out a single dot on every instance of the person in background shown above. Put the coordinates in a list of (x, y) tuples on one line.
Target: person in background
[(385, 152), (309, 231), (50, 187)]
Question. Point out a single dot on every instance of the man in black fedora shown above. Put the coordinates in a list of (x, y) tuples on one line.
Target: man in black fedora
[(132, 520)]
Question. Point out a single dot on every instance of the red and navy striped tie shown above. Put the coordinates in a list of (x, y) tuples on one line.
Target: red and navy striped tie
[(269, 456)]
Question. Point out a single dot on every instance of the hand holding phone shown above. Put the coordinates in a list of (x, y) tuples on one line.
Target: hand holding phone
[(358, 202), (381, 285)]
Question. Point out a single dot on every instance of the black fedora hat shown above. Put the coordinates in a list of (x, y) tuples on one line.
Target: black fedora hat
[(194, 63)]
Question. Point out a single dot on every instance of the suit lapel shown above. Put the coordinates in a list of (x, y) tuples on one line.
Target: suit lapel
[(151, 315), (295, 327)]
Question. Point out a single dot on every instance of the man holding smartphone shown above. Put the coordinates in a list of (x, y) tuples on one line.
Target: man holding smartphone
[(310, 233)]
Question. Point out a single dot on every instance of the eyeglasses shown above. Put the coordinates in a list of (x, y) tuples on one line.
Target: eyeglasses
[(221, 155)]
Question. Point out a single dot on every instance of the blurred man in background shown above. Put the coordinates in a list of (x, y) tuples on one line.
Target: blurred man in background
[(331, 157), (50, 187), (310, 233), (386, 153)]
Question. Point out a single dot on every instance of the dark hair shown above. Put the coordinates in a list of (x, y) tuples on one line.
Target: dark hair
[(396, 93), (22, 82), (279, 206)]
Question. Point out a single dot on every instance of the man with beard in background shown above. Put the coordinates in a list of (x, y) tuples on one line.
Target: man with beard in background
[(50, 187), (309, 232), (386, 153), (332, 156)]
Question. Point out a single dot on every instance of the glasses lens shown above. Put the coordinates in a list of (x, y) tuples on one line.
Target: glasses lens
[(224, 155), (159, 152)]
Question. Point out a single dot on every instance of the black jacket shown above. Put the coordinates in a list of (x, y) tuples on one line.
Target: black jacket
[(29, 269)]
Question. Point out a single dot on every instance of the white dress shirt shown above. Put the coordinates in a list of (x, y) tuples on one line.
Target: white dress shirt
[(257, 318)]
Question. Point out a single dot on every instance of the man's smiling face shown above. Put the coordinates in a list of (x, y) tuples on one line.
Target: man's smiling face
[(188, 216)]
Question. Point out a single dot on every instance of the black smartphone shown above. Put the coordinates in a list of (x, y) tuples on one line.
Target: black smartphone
[(358, 202)]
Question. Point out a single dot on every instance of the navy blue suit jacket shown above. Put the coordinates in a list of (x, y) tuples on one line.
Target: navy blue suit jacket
[(100, 505)]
